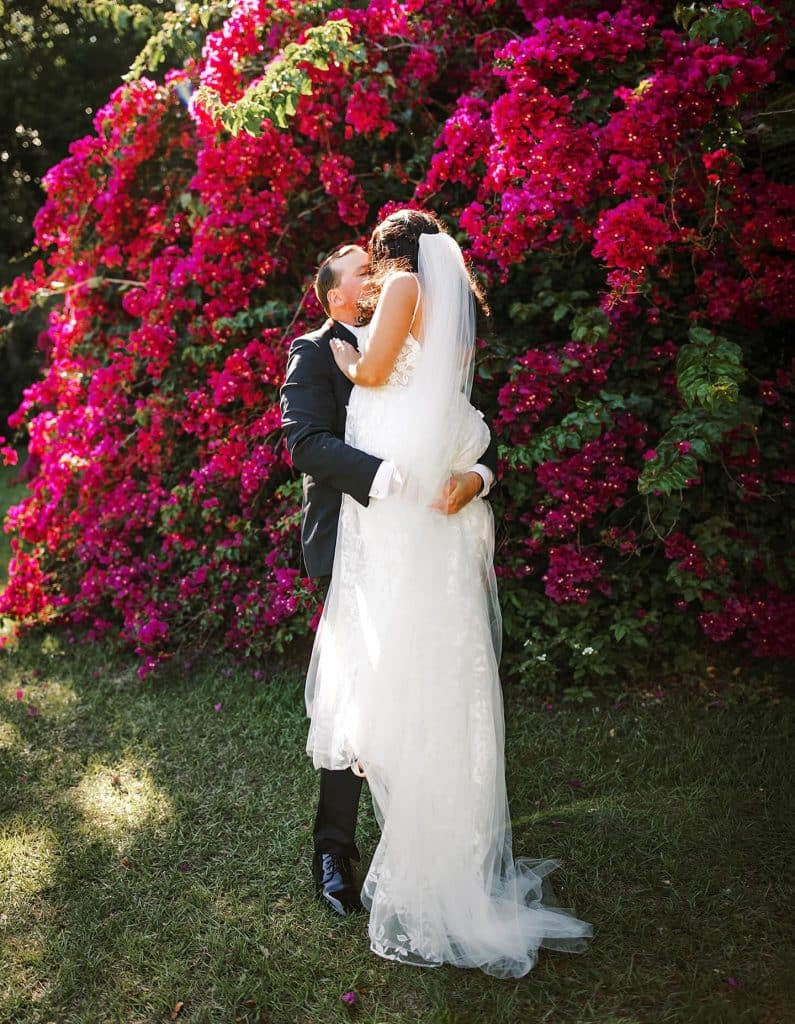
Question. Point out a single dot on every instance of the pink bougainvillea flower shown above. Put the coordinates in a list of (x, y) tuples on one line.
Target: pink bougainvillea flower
[(573, 152)]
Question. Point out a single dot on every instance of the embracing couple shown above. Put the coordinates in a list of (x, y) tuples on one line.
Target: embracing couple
[(403, 685)]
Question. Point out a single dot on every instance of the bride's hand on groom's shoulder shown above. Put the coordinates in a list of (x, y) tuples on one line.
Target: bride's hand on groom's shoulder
[(345, 355)]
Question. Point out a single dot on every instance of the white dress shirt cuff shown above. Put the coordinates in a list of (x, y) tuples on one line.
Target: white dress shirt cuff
[(386, 480), (488, 478)]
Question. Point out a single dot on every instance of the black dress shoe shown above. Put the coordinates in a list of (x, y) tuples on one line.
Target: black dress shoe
[(334, 883)]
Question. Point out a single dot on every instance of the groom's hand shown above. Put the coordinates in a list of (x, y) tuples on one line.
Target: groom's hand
[(459, 490)]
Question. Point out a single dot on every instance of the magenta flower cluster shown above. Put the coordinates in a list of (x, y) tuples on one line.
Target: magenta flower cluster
[(176, 263)]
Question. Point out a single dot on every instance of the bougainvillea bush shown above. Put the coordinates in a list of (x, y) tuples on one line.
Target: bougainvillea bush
[(599, 162)]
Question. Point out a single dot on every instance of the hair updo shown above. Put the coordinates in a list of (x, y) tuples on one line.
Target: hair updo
[(394, 246), (397, 238)]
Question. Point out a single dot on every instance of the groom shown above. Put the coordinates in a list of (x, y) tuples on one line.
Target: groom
[(314, 399)]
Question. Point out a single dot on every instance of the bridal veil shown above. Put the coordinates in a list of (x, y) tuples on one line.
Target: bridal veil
[(404, 674)]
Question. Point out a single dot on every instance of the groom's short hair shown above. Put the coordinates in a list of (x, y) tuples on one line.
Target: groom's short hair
[(326, 276)]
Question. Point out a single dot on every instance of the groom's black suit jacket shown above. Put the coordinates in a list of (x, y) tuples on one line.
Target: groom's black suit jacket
[(314, 403)]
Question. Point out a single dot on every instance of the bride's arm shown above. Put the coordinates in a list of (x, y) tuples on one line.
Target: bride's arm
[(388, 329)]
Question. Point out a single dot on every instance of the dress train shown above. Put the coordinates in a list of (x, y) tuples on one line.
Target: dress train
[(404, 677)]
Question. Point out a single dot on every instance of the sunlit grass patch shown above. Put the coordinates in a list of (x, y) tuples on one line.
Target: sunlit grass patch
[(44, 696), (10, 735), (116, 799), (29, 855)]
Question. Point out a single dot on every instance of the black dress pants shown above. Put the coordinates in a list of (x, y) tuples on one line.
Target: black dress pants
[(338, 803)]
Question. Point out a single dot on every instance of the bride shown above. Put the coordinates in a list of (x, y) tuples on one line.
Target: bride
[(403, 684)]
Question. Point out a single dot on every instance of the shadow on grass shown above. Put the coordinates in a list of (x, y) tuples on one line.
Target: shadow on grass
[(155, 851)]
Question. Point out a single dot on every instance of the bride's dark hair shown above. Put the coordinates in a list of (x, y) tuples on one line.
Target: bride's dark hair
[(397, 237), (395, 245)]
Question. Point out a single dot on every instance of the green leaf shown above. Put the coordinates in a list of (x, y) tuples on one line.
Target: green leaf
[(253, 123), (709, 369), (520, 311), (723, 80), (275, 96)]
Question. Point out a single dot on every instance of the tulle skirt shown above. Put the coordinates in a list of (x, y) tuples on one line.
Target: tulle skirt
[(404, 677)]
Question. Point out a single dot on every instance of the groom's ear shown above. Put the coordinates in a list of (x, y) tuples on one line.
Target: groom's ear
[(332, 298)]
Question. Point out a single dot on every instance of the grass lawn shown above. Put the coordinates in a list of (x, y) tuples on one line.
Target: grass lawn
[(155, 854)]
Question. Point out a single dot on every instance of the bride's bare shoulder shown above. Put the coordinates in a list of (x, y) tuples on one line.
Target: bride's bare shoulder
[(401, 286)]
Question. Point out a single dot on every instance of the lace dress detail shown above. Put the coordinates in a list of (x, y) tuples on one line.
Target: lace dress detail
[(405, 362)]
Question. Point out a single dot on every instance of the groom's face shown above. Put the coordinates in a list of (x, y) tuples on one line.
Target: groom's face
[(351, 273)]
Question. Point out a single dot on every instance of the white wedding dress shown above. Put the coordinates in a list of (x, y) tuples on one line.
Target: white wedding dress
[(404, 677)]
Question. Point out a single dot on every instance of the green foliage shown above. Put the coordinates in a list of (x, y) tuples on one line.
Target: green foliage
[(709, 370), (247, 321), (713, 24), (120, 17), (585, 423), (275, 95), (773, 130), (169, 35), (179, 35), (589, 325), (703, 430), (59, 61)]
